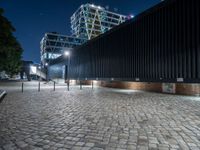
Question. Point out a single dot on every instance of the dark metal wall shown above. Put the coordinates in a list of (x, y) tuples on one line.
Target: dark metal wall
[(56, 71), (160, 45)]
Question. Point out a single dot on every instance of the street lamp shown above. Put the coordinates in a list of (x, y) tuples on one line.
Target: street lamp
[(46, 68), (39, 68), (67, 54)]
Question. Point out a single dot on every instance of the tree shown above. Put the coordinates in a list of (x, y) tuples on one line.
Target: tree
[(10, 49)]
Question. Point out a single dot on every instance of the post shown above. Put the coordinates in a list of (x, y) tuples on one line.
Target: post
[(80, 85), (68, 71), (22, 87), (54, 84), (92, 85), (39, 86), (68, 85)]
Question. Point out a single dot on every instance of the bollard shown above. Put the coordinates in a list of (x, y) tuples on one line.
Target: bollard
[(39, 87), (22, 87), (54, 85), (80, 85), (92, 85), (68, 85)]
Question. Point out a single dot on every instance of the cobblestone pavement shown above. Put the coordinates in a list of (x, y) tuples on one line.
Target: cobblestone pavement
[(98, 119)]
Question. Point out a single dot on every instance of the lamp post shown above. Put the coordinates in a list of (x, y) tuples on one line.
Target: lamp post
[(39, 79), (67, 54), (40, 72), (46, 67)]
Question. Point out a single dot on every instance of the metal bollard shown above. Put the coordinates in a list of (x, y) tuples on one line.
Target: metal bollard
[(54, 85), (22, 87), (39, 87), (80, 85), (68, 85), (92, 85)]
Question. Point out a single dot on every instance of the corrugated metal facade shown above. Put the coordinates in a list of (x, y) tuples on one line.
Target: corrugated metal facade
[(159, 45)]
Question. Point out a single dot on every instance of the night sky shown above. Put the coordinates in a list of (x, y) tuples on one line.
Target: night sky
[(32, 18)]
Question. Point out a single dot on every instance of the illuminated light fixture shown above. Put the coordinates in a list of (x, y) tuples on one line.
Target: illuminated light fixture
[(137, 79), (39, 67), (66, 53), (99, 7), (92, 5), (46, 64), (132, 16)]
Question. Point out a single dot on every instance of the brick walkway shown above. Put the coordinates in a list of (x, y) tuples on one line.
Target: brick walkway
[(98, 119)]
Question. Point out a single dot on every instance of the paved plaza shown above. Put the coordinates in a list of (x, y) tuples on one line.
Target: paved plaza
[(97, 119)]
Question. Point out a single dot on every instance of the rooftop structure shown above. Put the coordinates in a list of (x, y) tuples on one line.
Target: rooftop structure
[(90, 21)]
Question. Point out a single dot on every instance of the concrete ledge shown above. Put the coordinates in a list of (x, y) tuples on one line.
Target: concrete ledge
[(2, 95)]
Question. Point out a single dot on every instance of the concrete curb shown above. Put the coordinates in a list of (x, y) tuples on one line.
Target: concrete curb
[(2, 95)]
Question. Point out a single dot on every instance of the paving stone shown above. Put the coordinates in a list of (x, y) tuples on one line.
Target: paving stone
[(89, 144), (80, 143), (86, 148), (98, 119)]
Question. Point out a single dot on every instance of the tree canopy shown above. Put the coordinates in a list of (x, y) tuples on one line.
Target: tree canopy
[(10, 49)]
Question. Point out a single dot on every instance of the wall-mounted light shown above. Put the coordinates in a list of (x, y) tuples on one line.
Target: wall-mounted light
[(137, 79)]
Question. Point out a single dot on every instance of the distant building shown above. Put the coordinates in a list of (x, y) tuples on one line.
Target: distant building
[(25, 70), (90, 21), (87, 22), (53, 45)]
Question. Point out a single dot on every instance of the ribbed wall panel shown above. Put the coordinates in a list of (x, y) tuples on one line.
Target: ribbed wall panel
[(159, 45)]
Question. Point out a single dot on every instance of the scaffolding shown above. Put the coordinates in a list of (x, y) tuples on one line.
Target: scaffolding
[(90, 21)]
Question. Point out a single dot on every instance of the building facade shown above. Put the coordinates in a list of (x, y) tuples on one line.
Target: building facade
[(87, 22), (160, 45), (90, 21), (53, 46)]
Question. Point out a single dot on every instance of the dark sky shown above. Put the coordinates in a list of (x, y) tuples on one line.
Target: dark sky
[(32, 18)]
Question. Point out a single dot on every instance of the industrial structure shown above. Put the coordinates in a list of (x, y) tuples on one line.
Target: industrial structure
[(87, 22), (90, 21), (160, 45)]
